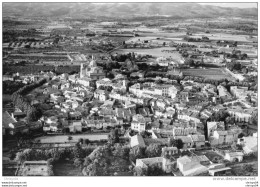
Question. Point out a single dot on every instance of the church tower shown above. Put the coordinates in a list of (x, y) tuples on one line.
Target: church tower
[(82, 70), (93, 62)]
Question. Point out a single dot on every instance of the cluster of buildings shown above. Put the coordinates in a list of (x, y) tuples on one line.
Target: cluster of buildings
[(192, 164), (201, 115)]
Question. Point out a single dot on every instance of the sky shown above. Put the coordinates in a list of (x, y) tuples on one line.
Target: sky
[(230, 4), (238, 5)]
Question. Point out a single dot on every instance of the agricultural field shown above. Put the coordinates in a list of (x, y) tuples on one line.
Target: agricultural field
[(159, 40), (31, 69), (118, 39), (67, 69), (223, 36), (156, 52), (28, 69), (209, 73), (135, 39), (165, 34)]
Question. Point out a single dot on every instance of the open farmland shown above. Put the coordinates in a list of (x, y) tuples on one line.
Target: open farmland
[(223, 36), (159, 40), (118, 39), (157, 52), (29, 69), (165, 34), (135, 39), (211, 73)]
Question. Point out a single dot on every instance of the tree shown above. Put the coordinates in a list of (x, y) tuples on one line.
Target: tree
[(91, 170), (81, 141), (87, 141), (159, 81), (70, 138), (78, 151), (55, 154), (50, 170), (248, 168), (78, 162), (113, 136), (20, 157), (154, 170), (145, 134), (175, 143), (50, 161), (87, 161), (130, 168), (244, 70), (136, 153), (121, 151), (189, 62), (241, 135), (153, 150), (139, 171), (29, 154)]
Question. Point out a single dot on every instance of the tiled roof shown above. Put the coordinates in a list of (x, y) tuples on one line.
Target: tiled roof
[(234, 154), (185, 139), (151, 161), (7, 119), (137, 140), (200, 158), (222, 133), (184, 160), (198, 138)]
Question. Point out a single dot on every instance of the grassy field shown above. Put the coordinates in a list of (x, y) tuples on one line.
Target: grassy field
[(212, 73), (66, 168)]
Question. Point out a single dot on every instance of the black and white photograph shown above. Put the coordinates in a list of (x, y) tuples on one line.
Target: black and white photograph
[(134, 89)]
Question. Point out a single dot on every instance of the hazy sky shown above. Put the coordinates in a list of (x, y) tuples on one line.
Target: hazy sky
[(238, 5), (230, 4)]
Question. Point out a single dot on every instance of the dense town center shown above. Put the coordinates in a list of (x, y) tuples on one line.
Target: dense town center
[(144, 96)]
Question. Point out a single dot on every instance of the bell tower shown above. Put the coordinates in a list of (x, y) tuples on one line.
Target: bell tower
[(82, 70)]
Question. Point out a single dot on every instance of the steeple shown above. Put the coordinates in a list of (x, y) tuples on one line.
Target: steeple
[(93, 62)]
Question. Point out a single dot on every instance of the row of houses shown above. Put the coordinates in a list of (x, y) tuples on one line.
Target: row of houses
[(171, 161)]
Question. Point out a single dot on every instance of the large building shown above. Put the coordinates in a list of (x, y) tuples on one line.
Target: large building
[(143, 90), (91, 70)]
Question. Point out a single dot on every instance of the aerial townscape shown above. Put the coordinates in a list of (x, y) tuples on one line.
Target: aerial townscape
[(129, 89)]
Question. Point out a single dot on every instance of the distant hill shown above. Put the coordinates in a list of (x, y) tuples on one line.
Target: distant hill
[(121, 10)]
